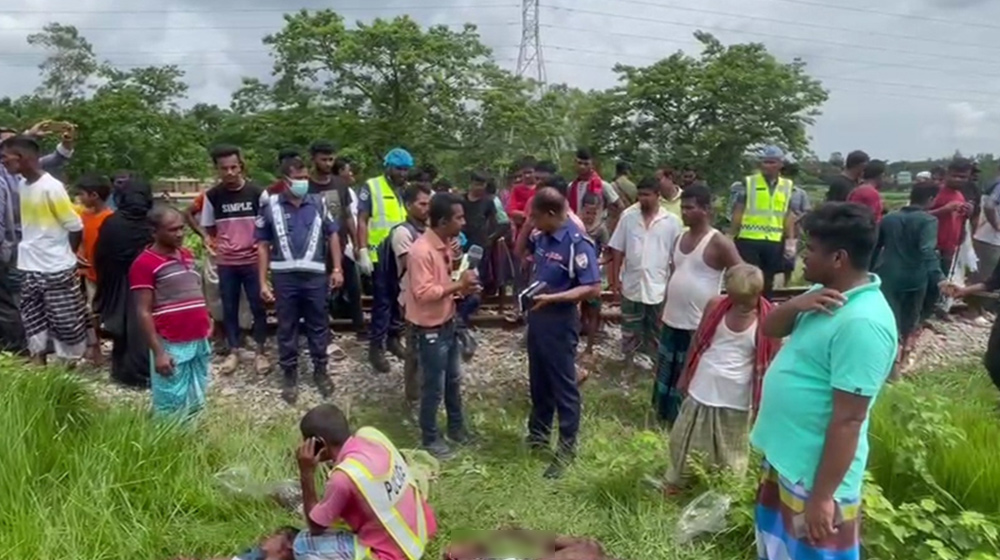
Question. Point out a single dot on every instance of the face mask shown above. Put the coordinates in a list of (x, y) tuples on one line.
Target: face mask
[(298, 187)]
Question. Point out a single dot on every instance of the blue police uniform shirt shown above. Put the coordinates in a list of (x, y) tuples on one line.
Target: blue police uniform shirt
[(553, 255), (299, 222)]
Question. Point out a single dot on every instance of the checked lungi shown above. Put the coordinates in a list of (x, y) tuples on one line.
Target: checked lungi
[(779, 502), (53, 312)]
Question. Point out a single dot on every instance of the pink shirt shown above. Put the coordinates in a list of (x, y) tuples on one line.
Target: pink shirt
[(429, 268), (342, 501)]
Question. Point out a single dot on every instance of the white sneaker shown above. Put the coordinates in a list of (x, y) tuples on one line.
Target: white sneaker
[(230, 364)]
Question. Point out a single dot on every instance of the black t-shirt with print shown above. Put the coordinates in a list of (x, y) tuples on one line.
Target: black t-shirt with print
[(479, 215)]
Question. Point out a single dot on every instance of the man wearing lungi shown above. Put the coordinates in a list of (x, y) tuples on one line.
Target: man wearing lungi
[(812, 427), (52, 306)]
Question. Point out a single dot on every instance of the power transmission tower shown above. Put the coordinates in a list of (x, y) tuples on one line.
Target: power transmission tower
[(529, 59)]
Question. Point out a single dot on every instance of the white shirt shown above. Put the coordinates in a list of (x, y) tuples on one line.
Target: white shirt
[(646, 269), (47, 218)]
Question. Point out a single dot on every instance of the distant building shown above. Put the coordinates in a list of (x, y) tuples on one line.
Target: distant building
[(904, 178)]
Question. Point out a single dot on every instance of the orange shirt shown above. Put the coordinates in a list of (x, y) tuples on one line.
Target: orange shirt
[(428, 265), (91, 226)]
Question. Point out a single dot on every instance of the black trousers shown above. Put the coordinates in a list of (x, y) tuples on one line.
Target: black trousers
[(765, 255), (992, 357)]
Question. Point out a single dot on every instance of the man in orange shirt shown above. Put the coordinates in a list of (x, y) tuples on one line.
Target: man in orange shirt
[(430, 307), (93, 192)]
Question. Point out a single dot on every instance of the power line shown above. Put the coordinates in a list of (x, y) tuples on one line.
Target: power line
[(801, 23), (951, 58), (964, 23), (234, 27), (262, 10), (689, 43), (814, 76)]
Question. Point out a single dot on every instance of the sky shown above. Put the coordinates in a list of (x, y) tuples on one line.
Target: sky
[(908, 79)]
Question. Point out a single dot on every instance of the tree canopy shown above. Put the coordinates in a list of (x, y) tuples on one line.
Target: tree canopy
[(436, 91)]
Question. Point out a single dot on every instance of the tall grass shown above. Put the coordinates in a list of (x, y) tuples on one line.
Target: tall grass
[(80, 481), (969, 468)]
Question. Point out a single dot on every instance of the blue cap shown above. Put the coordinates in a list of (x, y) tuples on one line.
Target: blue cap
[(772, 152), (398, 157)]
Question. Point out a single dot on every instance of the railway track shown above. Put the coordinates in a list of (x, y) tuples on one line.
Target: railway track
[(489, 315)]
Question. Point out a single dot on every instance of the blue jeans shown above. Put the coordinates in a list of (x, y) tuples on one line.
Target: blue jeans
[(232, 281), (439, 360)]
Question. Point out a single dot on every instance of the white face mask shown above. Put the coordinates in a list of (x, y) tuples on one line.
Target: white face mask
[(298, 187)]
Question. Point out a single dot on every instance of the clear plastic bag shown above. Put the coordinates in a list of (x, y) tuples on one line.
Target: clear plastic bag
[(239, 482), (705, 514)]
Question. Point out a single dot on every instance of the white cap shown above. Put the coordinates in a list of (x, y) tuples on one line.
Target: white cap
[(924, 175)]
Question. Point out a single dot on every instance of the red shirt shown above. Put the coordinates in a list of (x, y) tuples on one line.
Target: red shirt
[(278, 187), (179, 311), (949, 223), (867, 195), (519, 197)]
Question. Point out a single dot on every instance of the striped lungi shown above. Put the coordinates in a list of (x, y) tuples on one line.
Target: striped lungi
[(779, 502), (53, 311)]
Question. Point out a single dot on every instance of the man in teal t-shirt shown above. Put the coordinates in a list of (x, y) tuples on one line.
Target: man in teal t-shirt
[(813, 422)]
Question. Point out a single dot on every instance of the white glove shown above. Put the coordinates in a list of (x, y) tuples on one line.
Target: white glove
[(365, 262), (791, 247)]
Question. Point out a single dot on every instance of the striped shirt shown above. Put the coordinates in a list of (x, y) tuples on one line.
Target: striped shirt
[(179, 310)]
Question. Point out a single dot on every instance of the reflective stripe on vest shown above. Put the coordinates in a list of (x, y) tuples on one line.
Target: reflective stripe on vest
[(387, 211), (764, 211), (383, 493), (308, 262)]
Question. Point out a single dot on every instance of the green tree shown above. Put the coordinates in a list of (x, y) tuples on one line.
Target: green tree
[(70, 66), (710, 110)]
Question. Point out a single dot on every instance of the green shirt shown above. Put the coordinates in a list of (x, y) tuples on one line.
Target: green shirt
[(906, 257), (851, 350)]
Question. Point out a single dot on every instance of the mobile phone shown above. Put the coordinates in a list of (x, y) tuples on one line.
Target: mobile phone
[(317, 445), (799, 522)]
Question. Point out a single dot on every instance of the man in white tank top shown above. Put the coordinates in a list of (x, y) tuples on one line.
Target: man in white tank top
[(700, 257), (640, 267)]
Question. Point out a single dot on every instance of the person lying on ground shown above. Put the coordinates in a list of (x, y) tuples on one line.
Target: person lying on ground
[(372, 506), (276, 546), (552, 547)]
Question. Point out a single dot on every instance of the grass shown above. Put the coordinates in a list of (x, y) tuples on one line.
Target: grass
[(83, 480), (967, 469)]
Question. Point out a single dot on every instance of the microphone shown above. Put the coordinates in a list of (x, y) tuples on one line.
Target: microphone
[(475, 256), (470, 261)]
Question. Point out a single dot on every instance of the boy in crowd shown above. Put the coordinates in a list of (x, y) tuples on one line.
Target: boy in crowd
[(94, 191), (590, 310)]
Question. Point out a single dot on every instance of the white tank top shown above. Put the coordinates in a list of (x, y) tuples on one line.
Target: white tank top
[(723, 377), (691, 285)]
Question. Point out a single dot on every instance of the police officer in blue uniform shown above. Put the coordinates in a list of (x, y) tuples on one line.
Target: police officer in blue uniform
[(566, 261), (295, 232)]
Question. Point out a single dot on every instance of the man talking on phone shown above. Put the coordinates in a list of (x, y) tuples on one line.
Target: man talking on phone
[(812, 427), (371, 508)]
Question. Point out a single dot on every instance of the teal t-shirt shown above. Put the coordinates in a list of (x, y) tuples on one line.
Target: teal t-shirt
[(852, 350)]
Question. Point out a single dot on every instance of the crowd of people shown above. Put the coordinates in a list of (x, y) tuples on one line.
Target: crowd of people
[(732, 370)]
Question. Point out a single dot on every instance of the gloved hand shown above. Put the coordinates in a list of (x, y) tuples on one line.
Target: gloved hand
[(365, 262), (791, 247)]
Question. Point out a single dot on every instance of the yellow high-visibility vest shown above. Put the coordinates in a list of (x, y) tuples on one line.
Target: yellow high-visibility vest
[(383, 493), (764, 211), (387, 211)]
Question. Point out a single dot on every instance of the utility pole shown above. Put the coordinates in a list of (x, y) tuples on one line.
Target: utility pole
[(529, 59)]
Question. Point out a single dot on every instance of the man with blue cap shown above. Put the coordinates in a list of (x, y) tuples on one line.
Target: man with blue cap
[(763, 223), (380, 208)]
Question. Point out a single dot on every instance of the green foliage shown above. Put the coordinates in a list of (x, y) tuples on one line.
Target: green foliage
[(708, 111)]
